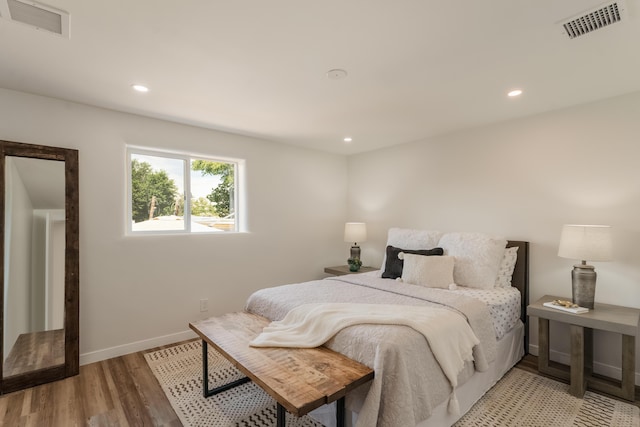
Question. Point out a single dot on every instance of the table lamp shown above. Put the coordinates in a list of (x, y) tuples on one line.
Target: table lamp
[(355, 232), (585, 242)]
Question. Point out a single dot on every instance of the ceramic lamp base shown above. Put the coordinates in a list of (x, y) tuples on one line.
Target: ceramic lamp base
[(355, 252)]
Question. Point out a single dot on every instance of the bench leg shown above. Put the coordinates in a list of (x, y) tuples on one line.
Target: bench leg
[(205, 376), (280, 417), (340, 412)]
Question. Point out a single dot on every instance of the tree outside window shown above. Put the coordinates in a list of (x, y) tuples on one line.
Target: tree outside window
[(158, 182)]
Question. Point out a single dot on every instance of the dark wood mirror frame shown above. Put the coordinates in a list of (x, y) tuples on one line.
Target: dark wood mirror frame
[(71, 322)]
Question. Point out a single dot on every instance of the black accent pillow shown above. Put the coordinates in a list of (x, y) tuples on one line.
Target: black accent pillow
[(393, 265)]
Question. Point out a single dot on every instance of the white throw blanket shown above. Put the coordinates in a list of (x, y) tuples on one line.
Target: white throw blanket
[(311, 325)]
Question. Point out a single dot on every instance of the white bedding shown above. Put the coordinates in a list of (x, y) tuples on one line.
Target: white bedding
[(450, 337), (406, 372), (503, 303), (504, 306), (510, 351)]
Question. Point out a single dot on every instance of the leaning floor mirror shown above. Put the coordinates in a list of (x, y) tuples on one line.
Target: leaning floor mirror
[(39, 302)]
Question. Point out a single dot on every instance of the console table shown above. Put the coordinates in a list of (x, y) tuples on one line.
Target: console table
[(605, 317)]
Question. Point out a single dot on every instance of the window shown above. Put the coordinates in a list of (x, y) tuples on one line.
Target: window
[(158, 182)]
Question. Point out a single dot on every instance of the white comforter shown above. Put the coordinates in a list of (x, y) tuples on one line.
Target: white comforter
[(311, 325), (408, 381)]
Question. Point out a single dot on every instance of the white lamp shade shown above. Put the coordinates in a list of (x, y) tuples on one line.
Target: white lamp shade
[(586, 242), (355, 232)]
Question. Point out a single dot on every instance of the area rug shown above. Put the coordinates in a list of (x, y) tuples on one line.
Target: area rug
[(179, 372), (525, 399), (519, 399)]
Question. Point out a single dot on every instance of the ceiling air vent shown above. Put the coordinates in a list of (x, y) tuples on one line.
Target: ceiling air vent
[(36, 15), (594, 19)]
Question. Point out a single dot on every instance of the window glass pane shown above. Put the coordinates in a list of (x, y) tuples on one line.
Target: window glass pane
[(157, 189), (212, 196)]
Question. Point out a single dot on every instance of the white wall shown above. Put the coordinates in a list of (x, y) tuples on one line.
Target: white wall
[(18, 223), (522, 179), (141, 291), (55, 271)]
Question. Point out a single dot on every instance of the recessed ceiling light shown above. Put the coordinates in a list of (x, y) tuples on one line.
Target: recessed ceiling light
[(140, 88), (515, 92), (348, 139)]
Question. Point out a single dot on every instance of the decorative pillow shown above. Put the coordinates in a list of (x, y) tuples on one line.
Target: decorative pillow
[(429, 271), (393, 264), (506, 268), (478, 257), (411, 239)]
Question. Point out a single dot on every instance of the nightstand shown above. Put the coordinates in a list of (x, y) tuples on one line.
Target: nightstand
[(341, 270), (605, 317)]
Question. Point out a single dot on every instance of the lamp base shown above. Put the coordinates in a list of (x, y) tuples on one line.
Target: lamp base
[(355, 252), (583, 285)]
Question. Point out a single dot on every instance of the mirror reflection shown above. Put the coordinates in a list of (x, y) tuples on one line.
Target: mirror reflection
[(34, 260)]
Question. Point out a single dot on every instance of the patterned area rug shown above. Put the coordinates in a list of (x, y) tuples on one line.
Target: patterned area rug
[(524, 399), (520, 398), (179, 372)]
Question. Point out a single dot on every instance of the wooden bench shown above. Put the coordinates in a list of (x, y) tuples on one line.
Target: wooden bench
[(299, 379)]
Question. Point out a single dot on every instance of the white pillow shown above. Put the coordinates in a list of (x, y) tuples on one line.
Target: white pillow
[(406, 238), (505, 272), (478, 257), (428, 271)]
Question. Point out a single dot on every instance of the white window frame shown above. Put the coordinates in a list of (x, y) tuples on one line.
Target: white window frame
[(187, 158)]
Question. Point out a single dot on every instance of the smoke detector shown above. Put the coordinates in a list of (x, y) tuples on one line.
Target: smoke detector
[(36, 15), (337, 74), (594, 19)]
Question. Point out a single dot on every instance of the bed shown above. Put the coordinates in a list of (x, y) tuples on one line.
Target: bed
[(410, 387)]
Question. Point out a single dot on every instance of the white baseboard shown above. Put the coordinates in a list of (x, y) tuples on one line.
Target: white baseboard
[(121, 350), (600, 368)]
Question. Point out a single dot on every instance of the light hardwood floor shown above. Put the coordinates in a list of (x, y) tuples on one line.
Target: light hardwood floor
[(117, 392)]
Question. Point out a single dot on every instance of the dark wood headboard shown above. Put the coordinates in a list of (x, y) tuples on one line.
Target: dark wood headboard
[(520, 280)]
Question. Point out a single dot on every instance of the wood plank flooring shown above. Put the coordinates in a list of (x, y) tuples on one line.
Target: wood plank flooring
[(117, 392), (35, 350)]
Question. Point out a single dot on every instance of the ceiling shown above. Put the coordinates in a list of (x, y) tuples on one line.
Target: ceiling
[(45, 189), (416, 68)]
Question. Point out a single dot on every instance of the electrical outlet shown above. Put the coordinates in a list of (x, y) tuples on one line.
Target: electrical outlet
[(204, 305)]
